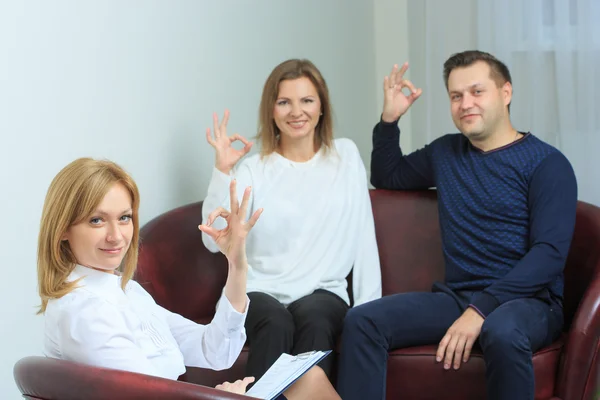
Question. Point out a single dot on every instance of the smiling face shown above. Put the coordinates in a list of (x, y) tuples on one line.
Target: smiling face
[(297, 109), (102, 240), (478, 105)]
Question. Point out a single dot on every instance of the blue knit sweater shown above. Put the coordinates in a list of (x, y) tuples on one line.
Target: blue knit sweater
[(506, 216)]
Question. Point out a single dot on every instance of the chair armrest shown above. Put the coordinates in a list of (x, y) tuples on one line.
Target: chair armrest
[(578, 374), (48, 378)]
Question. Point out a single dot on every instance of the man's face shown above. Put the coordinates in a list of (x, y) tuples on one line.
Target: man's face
[(477, 104)]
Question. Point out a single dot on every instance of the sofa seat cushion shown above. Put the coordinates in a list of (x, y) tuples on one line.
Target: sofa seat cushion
[(409, 368)]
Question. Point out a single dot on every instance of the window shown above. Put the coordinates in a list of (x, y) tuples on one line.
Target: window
[(562, 25)]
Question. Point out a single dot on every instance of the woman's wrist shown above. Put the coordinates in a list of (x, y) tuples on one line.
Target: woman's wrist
[(235, 287), (223, 168), (238, 265)]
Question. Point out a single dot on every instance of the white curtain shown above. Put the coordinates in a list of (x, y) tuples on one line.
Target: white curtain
[(552, 48)]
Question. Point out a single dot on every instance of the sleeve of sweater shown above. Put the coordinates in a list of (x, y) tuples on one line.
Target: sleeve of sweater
[(552, 205), (390, 169), (218, 196)]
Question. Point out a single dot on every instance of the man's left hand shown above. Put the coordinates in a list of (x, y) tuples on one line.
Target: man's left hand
[(459, 339)]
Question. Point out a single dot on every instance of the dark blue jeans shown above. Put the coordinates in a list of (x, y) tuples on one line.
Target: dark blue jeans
[(509, 337)]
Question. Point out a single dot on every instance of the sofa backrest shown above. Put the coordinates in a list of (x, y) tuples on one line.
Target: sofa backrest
[(176, 268), (409, 241), (184, 277)]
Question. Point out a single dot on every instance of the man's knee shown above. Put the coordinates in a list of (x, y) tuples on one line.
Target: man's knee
[(354, 317), (359, 321), (502, 336)]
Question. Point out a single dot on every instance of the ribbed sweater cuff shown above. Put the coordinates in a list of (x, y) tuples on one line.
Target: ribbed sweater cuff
[(484, 303), (381, 121)]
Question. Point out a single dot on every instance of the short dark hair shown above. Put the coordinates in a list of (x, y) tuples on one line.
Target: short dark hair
[(498, 70)]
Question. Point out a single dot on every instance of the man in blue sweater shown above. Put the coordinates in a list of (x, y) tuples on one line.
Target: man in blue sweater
[(506, 205)]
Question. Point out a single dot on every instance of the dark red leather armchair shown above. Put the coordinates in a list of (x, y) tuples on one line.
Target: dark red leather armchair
[(184, 277), (42, 378)]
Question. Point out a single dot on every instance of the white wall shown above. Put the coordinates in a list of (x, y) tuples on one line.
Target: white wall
[(391, 47), (136, 82), (437, 29)]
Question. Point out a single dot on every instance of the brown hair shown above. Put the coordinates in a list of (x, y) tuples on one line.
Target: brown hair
[(498, 70), (73, 196), (268, 133)]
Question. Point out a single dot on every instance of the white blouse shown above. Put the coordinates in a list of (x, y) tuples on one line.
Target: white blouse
[(101, 325), (316, 227)]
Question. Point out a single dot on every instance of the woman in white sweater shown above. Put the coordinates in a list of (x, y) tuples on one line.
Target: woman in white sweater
[(318, 224), (98, 316)]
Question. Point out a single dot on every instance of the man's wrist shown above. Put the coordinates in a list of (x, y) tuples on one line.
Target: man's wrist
[(474, 309), (484, 303), (387, 120)]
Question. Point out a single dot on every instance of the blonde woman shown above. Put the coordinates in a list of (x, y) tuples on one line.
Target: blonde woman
[(319, 224), (97, 316)]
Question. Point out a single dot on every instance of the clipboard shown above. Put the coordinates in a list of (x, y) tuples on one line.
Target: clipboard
[(283, 373)]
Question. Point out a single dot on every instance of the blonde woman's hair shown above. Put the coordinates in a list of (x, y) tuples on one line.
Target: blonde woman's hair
[(268, 133), (73, 196)]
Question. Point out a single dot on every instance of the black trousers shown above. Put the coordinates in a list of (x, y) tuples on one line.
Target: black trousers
[(311, 323)]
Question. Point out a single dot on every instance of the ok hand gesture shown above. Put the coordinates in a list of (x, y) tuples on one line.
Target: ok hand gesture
[(395, 102), (232, 239), (226, 156)]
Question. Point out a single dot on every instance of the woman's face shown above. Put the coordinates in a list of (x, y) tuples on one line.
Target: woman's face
[(102, 240), (297, 108)]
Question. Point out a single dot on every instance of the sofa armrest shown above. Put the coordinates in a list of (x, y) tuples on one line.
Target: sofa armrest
[(578, 374), (48, 378)]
